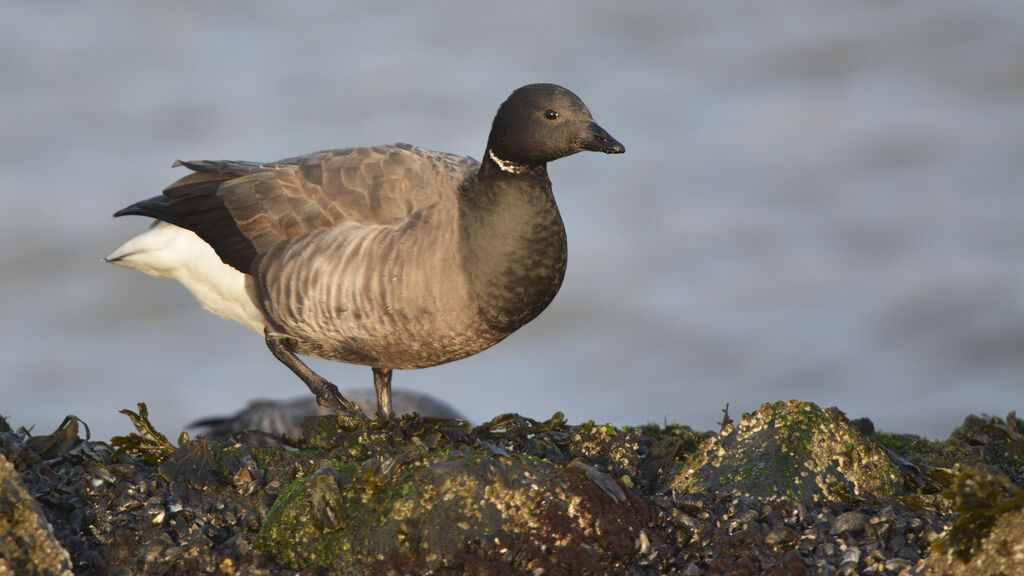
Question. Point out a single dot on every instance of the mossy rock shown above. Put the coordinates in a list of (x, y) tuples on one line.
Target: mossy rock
[(521, 496), (453, 510), (794, 451), (27, 543)]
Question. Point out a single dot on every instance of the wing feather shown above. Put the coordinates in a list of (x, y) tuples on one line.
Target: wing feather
[(243, 209)]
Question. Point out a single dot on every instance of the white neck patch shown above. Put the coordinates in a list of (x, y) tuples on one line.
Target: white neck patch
[(506, 165)]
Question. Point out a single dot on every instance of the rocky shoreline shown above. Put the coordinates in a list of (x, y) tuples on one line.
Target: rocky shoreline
[(789, 489)]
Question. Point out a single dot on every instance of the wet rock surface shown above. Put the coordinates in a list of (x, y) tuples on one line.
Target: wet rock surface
[(27, 544), (793, 451), (790, 489)]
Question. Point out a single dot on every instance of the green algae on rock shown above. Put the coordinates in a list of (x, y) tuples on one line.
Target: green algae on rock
[(793, 451), (458, 507), (517, 495)]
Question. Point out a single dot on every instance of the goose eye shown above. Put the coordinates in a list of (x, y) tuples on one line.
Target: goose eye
[(550, 114)]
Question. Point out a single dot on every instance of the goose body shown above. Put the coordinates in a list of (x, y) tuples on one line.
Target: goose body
[(394, 257)]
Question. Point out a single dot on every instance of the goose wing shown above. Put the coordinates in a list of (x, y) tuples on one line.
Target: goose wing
[(243, 209)]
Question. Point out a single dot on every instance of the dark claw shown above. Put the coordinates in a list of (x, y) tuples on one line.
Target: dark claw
[(349, 412)]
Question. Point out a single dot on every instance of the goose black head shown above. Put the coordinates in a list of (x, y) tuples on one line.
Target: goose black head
[(539, 123)]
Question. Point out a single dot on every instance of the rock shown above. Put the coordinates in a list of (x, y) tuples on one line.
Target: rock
[(520, 496), (792, 451), (449, 511), (27, 544)]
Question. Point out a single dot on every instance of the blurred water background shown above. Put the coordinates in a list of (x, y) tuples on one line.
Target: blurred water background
[(821, 201)]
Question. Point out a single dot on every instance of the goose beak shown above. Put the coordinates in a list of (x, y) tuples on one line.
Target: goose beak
[(598, 140)]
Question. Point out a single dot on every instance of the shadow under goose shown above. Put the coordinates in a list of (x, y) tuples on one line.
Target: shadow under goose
[(285, 417)]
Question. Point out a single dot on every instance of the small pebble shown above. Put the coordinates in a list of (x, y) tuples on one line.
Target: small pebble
[(908, 553), (779, 536), (897, 564), (852, 522), (692, 569), (852, 554), (643, 543)]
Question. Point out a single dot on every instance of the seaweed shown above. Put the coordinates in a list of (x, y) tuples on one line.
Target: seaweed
[(148, 443), (980, 494)]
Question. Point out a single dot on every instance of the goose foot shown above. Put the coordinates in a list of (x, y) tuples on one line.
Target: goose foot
[(327, 394)]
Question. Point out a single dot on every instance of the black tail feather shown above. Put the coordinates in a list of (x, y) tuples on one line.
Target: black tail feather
[(192, 203)]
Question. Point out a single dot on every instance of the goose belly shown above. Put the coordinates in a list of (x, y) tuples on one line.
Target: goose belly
[(373, 295)]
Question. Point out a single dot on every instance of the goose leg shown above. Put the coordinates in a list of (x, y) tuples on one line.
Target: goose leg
[(382, 384), (327, 394)]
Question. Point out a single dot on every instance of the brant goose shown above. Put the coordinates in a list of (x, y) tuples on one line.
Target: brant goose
[(394, 257)]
